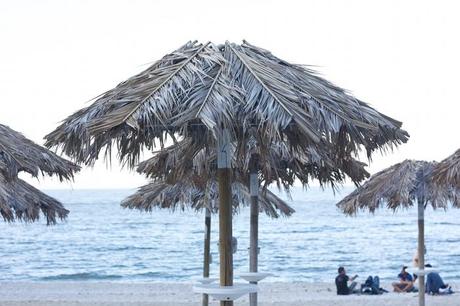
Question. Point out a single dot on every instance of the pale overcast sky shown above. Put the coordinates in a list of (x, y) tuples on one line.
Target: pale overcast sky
[(402, 57)]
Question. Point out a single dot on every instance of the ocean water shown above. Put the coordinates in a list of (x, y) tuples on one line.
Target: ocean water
[(102, 241)]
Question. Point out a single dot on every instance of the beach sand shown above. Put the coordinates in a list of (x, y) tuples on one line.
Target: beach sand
[(180, 294)]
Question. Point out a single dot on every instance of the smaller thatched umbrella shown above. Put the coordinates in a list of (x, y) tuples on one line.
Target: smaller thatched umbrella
[(185, 194), (447, 172), (19, 200), (160, 194), (272, 164), (402, 185)]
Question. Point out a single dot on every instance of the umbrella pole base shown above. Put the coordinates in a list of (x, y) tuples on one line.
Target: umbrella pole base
[(253, 297), (225, 230), (225, 210), (421, 251), (205, 300)]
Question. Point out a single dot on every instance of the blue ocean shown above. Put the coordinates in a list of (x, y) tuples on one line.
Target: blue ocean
[(102, 241)]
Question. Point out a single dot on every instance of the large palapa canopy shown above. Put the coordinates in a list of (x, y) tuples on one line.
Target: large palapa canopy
[(200, 89)]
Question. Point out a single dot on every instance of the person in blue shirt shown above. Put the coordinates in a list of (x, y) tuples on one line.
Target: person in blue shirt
[(406, 281)]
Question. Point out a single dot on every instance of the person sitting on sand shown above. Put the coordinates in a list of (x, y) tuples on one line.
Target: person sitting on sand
[(435, 284), (406, 281), (341, 282)]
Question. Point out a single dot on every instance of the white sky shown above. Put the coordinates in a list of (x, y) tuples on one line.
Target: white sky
[(402, 57)]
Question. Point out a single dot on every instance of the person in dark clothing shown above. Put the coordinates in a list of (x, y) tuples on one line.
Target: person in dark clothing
[(341, 282), (435, 284), (406, 281)]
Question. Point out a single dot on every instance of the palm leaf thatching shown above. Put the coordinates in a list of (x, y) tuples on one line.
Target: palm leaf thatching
[(400, 186), (277, 165), (17, 153), (201, 88), (447, 172), (21, 201), (187, 194)]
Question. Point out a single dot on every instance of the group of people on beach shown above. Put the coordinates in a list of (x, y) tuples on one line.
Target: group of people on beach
[(406, 282), (434, 283)]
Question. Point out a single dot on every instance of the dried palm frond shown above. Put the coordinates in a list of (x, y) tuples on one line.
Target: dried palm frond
[(400, 186), (276, 164), (21, 201), (17, 153), (186, 193), (447, 172), (201, 88)]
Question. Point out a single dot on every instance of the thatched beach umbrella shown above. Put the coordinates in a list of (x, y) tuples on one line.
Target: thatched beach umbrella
[(184, 161), (223, 94), (19, 200), (447, 172), (186, 193), (401, 186)]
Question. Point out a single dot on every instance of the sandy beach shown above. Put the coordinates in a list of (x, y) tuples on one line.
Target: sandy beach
[(180, 294)]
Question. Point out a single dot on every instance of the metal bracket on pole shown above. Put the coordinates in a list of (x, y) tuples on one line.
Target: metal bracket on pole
[(254, 184), (421, 211), (224, 156)]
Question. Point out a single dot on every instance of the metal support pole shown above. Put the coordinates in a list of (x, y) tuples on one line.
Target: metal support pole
[(207, 251), (421, 253), (254, 230), (225, 212)]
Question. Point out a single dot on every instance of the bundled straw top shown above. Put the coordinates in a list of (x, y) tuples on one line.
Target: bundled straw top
[(200, 89)]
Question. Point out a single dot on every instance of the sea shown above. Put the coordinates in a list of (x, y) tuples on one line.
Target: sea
[(100, 241)]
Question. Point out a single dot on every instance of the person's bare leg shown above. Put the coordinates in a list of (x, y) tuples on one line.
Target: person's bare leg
[(396, 287), (407, 287)]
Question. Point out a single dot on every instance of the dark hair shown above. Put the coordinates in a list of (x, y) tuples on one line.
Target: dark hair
[(428, 266), (341, 269)]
